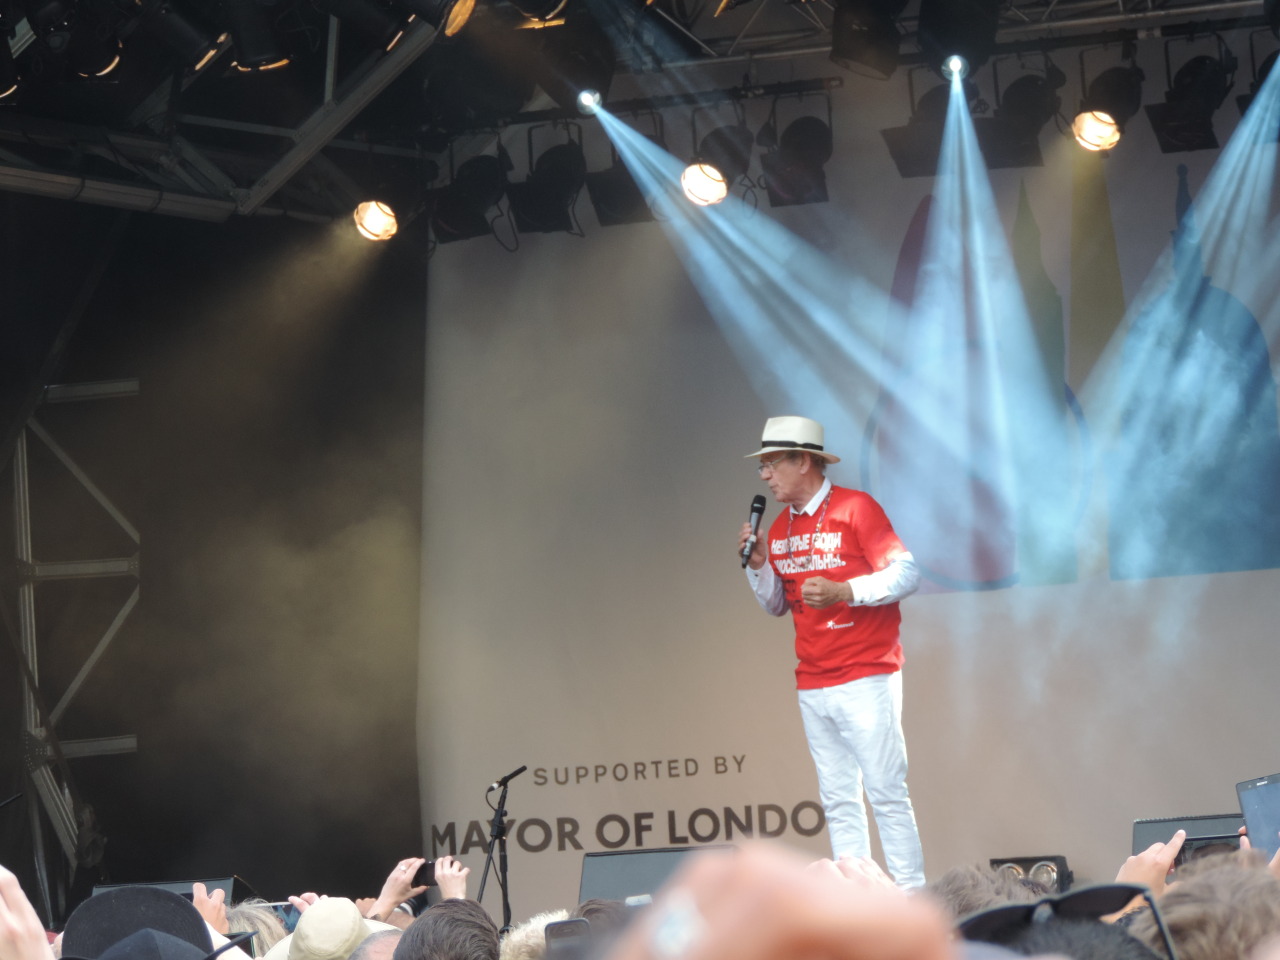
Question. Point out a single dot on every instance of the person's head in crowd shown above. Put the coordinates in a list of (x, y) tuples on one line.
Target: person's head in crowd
[(329, 929), (113, 915), (528, 940), (450, 930), (254, 916), (1223, 907), (378, 946), (1078, 940), (967, 889), (606, 917)]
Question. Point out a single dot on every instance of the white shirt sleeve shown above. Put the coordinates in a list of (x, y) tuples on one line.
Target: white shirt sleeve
[(768, 589), (899, 579)]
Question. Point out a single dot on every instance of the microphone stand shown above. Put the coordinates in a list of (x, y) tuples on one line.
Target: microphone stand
[(498, 839)]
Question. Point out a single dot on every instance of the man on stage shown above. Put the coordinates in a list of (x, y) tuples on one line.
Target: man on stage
[(832, 559)]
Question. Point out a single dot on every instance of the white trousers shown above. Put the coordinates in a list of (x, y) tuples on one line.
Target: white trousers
[(855, 737)]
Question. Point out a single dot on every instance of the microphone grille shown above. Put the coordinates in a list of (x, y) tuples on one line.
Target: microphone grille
[(757, 503)]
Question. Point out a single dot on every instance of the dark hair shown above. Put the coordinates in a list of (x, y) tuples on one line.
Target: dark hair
[(973, 887), (369, 944), (1079, 940), (450, 930)]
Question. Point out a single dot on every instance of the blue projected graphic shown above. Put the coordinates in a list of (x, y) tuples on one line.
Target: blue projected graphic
[(1200, 414)]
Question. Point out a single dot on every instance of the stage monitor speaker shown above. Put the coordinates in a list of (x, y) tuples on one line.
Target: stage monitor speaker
[(618, 874), (234, 889), (1202, 831)]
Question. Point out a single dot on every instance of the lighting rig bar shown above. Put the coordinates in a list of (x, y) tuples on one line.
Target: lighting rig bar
[(1038, 25), (639, 105)]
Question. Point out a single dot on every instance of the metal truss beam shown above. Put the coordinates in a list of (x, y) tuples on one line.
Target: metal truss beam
[(336, 113)]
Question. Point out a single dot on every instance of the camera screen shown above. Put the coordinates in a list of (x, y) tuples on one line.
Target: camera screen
[(1260, 804)]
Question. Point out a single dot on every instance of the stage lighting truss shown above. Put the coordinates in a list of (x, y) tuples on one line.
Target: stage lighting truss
[(1051, 871), (545, 201), (1108, 103), (1258, 73), (793, 160), (1185, 120)]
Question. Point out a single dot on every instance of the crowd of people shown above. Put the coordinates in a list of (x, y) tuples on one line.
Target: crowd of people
[(759, 902)]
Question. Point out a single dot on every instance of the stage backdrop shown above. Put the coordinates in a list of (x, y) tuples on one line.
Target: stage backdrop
[(583, 610)]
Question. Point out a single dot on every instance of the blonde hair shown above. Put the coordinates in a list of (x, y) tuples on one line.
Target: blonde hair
[(254, 916), (528, 941)]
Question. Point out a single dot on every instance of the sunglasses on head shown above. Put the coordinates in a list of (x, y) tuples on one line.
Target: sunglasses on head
[(1088, 903)]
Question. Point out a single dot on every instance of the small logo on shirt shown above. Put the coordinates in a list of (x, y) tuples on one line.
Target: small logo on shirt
[(832, 625)]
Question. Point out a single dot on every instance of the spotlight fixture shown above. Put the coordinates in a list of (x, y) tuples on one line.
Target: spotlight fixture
[(540, 10), (963, 28), (589, 102), (544, 202), (195, 48), (616, 196), (723, 159), (370, 19), (1185, 120), (614, 193), (575, 56), (724, 6), (865, 37), (916, 146), (955, 67), (461, 210), (793, 171), (52, 22), (9, 76), (1260, 74), (375, 220), (1110, 102), (93, 51), (253, 38), (482, 77), (448, 16), (1011, 137), (703, 184), (1050, 871)]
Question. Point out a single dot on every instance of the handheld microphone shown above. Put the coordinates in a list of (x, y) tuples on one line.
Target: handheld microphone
[(510, 776), (757, 511)]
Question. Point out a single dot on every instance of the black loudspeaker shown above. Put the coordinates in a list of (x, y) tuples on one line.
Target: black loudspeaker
[(1202, 831), (234, 889), (616, 875)]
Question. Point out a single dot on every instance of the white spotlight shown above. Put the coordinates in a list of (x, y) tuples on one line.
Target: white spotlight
[(375, 220), (703, 184), (589, 102), (1095, 130), (955, 67)]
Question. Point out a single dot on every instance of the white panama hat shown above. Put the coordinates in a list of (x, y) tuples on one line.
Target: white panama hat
[(792, 435)]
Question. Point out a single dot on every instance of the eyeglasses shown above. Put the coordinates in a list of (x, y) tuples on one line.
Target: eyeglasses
[(770, 464), (1088, 903)]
